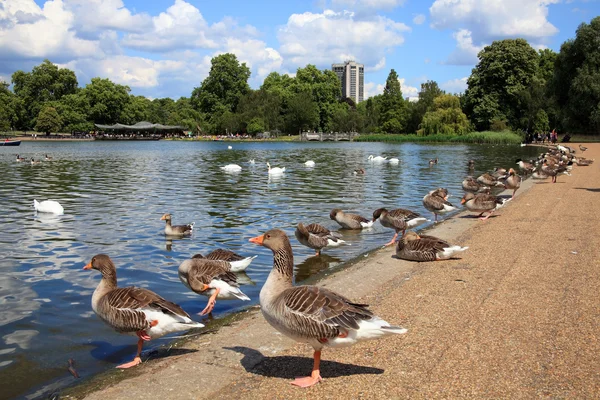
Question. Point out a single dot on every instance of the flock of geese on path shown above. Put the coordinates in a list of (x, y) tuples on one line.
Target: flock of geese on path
[(309, 314)]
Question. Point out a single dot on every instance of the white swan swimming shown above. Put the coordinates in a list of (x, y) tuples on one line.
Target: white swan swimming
[(394, 161), (276, 170), (232, 168), (309, 163), (251, 161), (229, 147), (48, 206), (377, 159)]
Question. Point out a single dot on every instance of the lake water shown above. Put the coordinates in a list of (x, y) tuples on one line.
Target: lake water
[(114, 194)]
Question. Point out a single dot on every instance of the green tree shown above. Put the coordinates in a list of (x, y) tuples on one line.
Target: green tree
[(222, 89), (445, 116), (541, 123), (576, 83), (506, 68), (7, 107), (138, 108), (256, 125), (324, 88), (302, 113), (73, 110), (46, 82), (429, 91), (394, 112), (48, 120), (107, 100)]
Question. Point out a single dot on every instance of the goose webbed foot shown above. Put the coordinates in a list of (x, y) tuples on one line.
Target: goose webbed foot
[(315, 376)]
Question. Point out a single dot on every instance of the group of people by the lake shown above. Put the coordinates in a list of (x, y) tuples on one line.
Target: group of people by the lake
[(542, 137)]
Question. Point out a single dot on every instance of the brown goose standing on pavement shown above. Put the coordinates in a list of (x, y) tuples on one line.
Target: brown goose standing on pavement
[(525, 166), (176, 230), (482, 203), (133, 310), (413, 247), (398, 219), (349, 221), (312, 314), (238, 263), (317, 237), (513, 181), (211, 278), (488, 180), (436, 201)]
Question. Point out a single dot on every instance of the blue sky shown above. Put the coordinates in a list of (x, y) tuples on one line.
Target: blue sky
[(162, 48)]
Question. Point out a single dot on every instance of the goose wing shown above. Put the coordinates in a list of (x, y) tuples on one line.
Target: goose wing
[(203, 271), (436, 203), (406, 215), (357, 218), (316, 312), (486, 201), (123, 308), (224, 255)]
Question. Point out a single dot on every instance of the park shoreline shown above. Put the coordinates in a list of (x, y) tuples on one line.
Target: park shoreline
[(374, 269)]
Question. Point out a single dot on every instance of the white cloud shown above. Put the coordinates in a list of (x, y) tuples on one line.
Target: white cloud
[(411, 92), (373, 89), (479, 22), (419, 19), (366, 4), (458, 85), (331, 36), (255, 53)]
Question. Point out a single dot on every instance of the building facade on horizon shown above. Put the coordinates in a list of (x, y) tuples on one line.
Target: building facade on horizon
[(352, 78)]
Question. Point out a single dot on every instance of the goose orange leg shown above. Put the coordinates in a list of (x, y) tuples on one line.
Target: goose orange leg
[(392, 241), (211, 303), (315, 376), (143, 336)]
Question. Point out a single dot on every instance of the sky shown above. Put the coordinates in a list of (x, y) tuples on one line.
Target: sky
[(163, 48)]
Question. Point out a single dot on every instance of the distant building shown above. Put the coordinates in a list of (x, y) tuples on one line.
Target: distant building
[(352, 77)]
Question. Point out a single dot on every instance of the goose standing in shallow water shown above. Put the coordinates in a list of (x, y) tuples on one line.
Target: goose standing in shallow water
[(413, 247), (275, 170), (482, 203), (349, 221), (317, 237), (437, 202), (211, 278), (133, 310), (238, 263), (398, 219), (176, 230), (312, 314)]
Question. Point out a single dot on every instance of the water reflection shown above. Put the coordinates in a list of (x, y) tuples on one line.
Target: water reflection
[(114, 194)]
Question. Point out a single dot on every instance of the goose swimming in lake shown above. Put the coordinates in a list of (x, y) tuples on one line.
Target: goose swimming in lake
[(350, 221), (47, 158), (135, 311), (398, 219), (48, 206), (34, 162), (437, 202), (378, 159), (275, 170), (482, 203), (413, 247), (238, 263), (176, 230), (317, 237), (360, 171), (312, 314), (211, 278), (231, 168), (19, 158)]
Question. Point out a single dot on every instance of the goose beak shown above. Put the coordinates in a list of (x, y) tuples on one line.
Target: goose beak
[(462, 201), (162, 218), (88, 266), (258, 240)]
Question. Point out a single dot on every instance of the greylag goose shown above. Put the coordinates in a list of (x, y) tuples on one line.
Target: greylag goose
[(317, 237), (488, 180), (176, 230), (469, 184), (471, 164), (513, 181), (550, 170), (582, 148), (349, 221), (539, 174), (499, 173), (135, 311), (583, 162), (211, 278), (413, 247), (482, 203), (238, 263), (312, 314), (437, 202), (398, 219), (525, 166)]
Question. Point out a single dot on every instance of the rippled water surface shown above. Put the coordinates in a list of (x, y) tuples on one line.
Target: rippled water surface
[(114, 194)]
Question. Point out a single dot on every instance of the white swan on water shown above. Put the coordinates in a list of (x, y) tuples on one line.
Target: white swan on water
[(377, 159), (276, 170), (48, 206), (309, 163), (232, 168)]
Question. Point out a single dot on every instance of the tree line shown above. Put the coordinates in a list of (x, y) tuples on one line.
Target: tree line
[(513, 86)]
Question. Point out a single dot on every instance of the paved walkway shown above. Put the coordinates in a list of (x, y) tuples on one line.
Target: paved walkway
[(517, 317)]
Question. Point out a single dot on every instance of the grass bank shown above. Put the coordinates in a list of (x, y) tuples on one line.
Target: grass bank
[(488, 137)]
